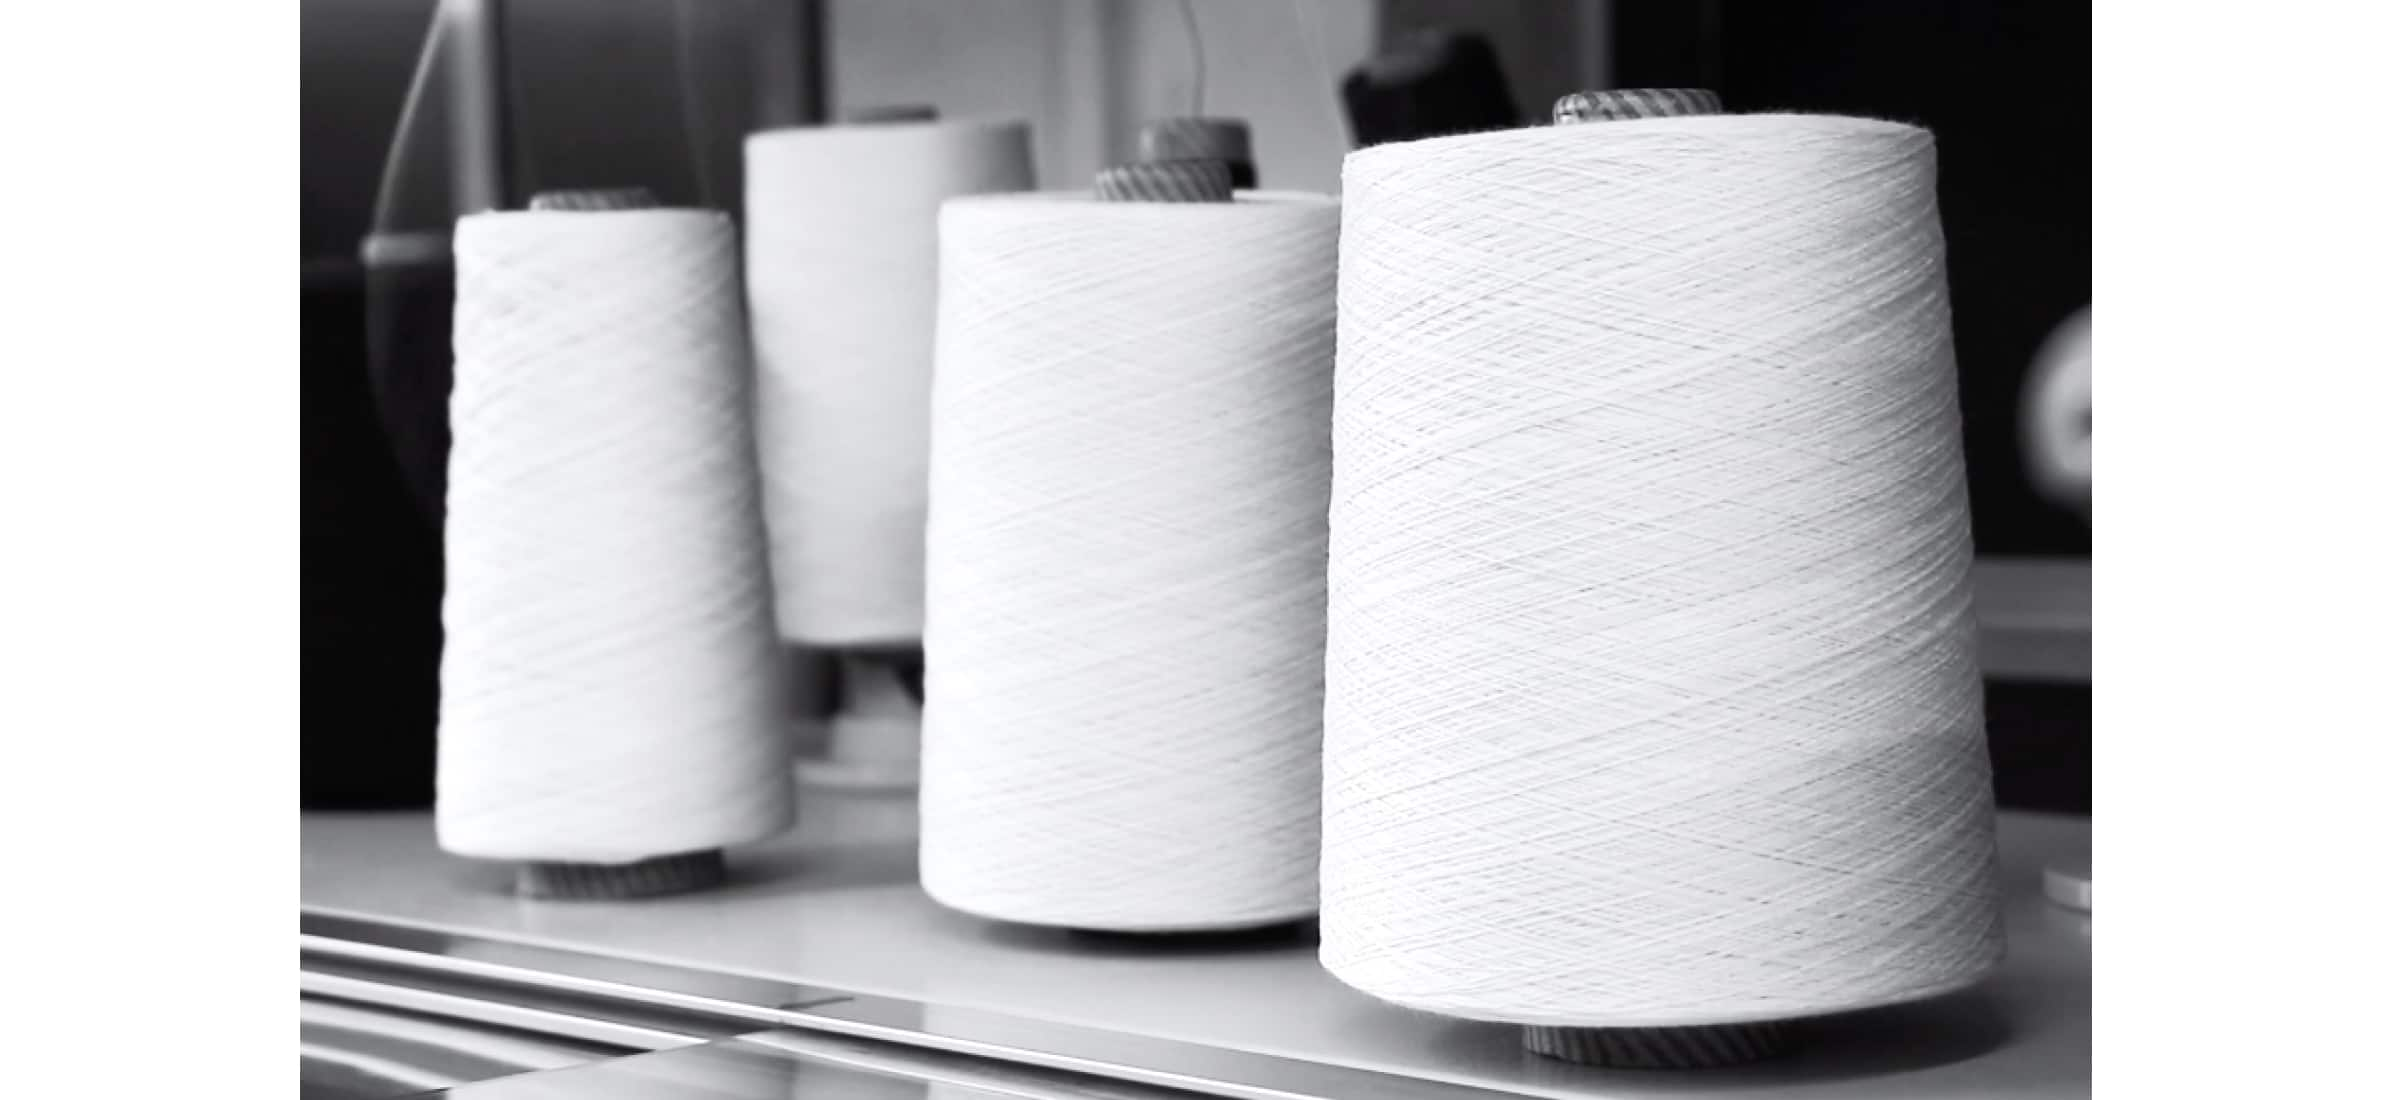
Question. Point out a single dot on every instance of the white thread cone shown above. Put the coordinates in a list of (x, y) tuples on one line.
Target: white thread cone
[(842, 262), (1128, 486), (1652, 695), (609, 690)]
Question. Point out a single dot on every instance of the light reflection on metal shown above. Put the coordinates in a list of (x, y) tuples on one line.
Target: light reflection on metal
[(905, 1024)]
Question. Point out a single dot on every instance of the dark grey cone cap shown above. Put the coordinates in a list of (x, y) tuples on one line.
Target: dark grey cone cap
[(1627, 103), (1698, 1047), (596, 199), (669, 874), (1165, 181)]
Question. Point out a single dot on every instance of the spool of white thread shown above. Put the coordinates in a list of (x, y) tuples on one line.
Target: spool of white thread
[(842, 283), (610, 689), (1652, 701), (1129, 469)]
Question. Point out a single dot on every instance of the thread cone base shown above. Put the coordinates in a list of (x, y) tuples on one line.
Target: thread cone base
[(1698, 1047), (669, 874), (1228, 936)]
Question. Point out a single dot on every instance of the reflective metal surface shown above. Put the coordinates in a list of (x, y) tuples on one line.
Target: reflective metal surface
[(942, 1069), (777, 1066), (1214, 1071), (351, 1051), (730, 996), (334, 940), (727, 1069), (722, 1070), (830, 918), (618, 1029), (380, 1030)]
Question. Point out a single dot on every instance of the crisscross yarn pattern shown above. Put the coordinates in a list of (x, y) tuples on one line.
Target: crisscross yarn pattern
[(609, 690), (1128, 515), (1652, 695)]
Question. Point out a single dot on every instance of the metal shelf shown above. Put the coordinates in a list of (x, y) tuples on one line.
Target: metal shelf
[(834, 910)]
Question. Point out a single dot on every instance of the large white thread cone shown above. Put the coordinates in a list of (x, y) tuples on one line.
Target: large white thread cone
[(610, 689), (1652, 696), (1128, 480), (842, 263)]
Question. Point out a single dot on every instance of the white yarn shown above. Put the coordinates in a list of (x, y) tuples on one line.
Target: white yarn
[(610, 688), (1129, 480), (1652, 694), (842, 265)]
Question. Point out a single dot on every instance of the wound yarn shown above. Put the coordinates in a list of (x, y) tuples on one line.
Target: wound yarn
[(1651, 689), (1128, 495), (610, 689), (842, 283)]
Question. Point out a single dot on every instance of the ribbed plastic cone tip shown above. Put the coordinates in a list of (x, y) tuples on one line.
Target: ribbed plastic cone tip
[(596, 199), (1165, 181), (1194, 138), (1631, 103)]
